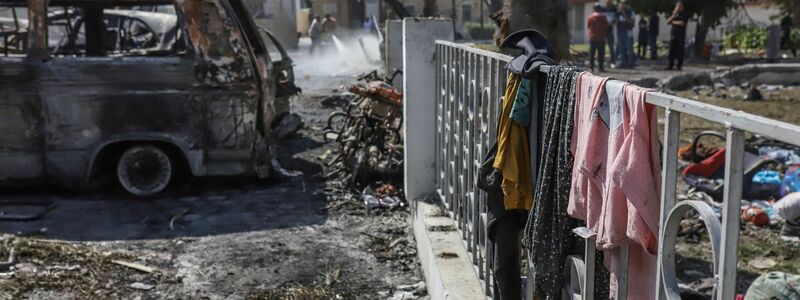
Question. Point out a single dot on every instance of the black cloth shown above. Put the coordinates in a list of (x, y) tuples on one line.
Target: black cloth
[(548, 231), (536, 52), (489, 180), (506, 251), (597, 50), (503, 231)]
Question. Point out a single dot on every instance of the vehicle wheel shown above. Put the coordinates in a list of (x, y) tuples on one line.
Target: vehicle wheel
[(144, 170)]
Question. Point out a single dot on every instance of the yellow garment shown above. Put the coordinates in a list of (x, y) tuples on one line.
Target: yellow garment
[(513, 154)]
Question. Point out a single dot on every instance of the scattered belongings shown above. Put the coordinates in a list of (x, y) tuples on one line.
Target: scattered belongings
[(384, 196), (41, 210), (762, 263), (753, 94), (774, 285), (766, 163)]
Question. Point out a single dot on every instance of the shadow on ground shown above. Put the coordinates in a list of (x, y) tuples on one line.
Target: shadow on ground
[(201, 207)]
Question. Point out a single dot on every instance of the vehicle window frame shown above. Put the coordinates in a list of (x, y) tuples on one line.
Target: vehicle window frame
[(185, 52)]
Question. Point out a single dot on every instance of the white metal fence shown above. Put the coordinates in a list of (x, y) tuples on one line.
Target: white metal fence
[(470, 85)]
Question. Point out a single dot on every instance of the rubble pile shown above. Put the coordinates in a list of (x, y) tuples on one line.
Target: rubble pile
[(366, 167)]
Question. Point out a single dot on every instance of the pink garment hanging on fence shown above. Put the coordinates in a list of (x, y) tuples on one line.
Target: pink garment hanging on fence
[(616, 176)]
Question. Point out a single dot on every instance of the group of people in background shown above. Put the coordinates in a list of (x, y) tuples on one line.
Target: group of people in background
[(321, 31), (612, 26)]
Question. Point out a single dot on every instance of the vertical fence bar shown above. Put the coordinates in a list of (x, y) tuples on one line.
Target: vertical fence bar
[(734, 157), (669, 177)]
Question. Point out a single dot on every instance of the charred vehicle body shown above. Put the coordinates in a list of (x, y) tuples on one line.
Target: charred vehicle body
[(136, 90)]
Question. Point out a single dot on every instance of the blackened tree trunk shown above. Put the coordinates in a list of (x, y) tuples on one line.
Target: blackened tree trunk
[(701, 32), (430, 9), (547, 16)]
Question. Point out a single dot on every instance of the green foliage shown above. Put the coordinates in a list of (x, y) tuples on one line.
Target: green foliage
[(746, 38)]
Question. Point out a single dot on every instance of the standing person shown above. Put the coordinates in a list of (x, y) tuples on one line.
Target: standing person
[(641, 45), (328, 27), (315, 32), (786, 37), (598, 27), (329, 24), (677, 41), (652, 35), (610, 13), (625, 23)]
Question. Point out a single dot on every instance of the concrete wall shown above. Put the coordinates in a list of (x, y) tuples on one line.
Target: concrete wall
[(419, 106)]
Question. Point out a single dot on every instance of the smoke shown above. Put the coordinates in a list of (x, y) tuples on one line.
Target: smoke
[(344, 54)]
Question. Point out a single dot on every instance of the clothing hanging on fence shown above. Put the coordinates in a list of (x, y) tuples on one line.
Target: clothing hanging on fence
[(548, 234), (513, 153), (536, 52), (617, 176)]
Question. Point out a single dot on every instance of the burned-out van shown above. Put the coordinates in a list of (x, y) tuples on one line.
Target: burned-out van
[(138, 90)]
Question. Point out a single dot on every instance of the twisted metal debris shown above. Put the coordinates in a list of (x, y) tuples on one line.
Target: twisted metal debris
[(368, 132)]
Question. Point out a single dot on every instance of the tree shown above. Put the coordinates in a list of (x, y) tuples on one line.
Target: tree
[(547, 16), (430, 9)]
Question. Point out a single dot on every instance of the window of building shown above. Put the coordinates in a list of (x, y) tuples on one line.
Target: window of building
[(466, 13), (13, 29)]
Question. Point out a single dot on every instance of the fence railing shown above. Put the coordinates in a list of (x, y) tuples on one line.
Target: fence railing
[(470, 83)]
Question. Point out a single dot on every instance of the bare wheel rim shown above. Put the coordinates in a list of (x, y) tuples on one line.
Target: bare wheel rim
[(144, 170)]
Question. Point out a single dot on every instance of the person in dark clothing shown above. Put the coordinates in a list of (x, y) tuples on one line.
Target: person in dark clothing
[(677, 41), (641, 45), (598, 28), (611, 13), (652, 35), (786, 37)]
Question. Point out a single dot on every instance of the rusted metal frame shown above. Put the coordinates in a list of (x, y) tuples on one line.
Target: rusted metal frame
[(669, 177)]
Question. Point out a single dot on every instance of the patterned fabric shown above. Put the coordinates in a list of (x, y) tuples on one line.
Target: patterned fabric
[(548, 232)]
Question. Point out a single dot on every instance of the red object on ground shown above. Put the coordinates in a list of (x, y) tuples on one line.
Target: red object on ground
[(755, 215), (708, 166)]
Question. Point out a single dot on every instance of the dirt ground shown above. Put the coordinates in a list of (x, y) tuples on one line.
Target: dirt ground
[(219, 238)]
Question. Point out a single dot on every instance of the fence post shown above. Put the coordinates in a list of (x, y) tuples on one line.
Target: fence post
[(732, 199), (419, 103), (669, 184)]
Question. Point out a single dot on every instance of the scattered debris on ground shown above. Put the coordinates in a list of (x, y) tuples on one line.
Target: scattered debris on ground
[(74, 270)]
